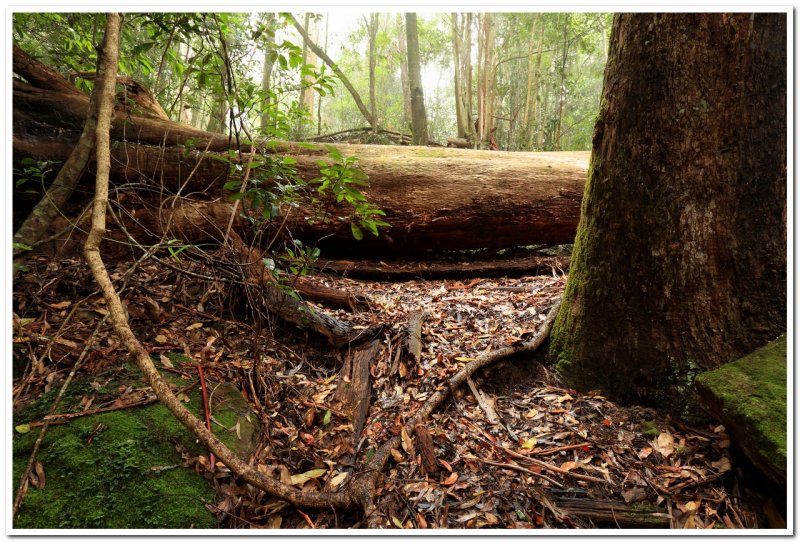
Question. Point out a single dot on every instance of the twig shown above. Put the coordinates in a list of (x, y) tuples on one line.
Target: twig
[(66, 416), (542, 464), (548, 451), (513, 466), (211, 457)]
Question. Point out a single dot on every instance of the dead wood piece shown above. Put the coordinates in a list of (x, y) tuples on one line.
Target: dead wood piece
[(458, 142), (612, 513), (483, 402), (353, 389), (412, 351), (409, 270), (332, 297), (426, 450)]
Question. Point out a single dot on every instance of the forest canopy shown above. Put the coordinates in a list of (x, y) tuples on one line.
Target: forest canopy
[(510, 81)]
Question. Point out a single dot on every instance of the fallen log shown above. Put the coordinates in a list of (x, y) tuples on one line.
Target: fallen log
[(615, 514), (435, 199), (409, 270)]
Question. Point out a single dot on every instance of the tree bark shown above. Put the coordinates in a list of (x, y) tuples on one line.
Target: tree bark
[(419, 120), (679, 262)]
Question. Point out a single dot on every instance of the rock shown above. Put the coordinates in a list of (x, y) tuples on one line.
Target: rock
[(749, 397)]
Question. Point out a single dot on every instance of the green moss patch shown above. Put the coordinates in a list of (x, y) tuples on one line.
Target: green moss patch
[(749, 397), (130, 475)]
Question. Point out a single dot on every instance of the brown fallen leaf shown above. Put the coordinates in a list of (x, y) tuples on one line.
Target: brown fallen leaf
[(408, 444), (452, 479), (664, 444), (165, 361), (397, 455), (39, 469)]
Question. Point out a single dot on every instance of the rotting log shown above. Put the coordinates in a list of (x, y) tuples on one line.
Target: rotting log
[(354, 390), (426, 449), (615, 514), (435, 199), (408, 270)]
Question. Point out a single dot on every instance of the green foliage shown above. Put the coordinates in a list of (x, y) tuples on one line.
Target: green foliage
[(275, 187), (175, 248), (33, 170), (340, 181)]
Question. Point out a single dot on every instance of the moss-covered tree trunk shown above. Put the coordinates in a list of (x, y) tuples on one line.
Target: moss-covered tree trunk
[(680, 255)]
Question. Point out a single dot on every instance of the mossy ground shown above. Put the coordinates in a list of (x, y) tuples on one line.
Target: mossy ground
[(751, 394), (130, 475)]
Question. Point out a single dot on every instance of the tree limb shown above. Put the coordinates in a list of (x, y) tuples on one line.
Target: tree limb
[(342, 77)]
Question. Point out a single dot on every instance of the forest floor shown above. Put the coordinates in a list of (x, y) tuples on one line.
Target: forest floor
[(514, 449)]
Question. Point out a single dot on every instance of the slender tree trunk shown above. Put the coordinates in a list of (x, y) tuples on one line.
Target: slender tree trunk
[(485, 78), (372, 34), (310, 58), (535, 126), (298, 129), (562, 89), (462, 122), (319, 98), (403, 50), (266, 75), (419, 121), (218, 119), (680, 256), (470, 99), (342, 77), (531, 61)]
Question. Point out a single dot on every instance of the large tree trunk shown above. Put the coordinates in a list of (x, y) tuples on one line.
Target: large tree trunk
[(434, 199), (680, 257)]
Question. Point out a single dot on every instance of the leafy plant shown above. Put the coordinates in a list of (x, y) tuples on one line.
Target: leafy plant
[(342, 179), (33, 170)]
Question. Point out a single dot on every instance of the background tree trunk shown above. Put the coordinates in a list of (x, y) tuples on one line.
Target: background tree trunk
[(266, 74), (562, 87), (459, 94), (419, 121), (403, 50), (372, 34), (680, 257)]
